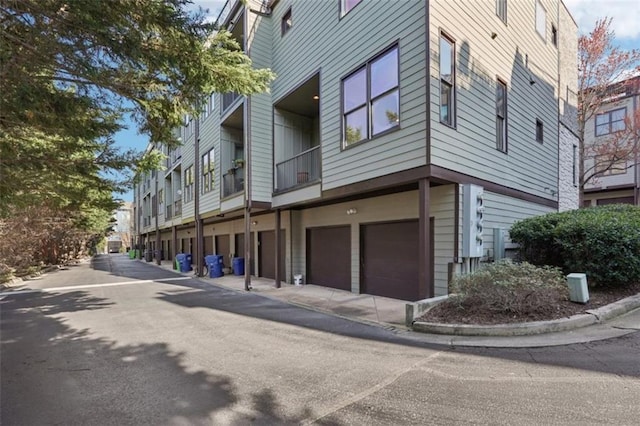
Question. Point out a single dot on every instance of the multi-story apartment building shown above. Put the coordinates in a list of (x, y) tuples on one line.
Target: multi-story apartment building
[(398, 143), (617, 182)]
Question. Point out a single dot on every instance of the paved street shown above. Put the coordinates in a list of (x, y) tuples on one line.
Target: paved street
[(121, 342)]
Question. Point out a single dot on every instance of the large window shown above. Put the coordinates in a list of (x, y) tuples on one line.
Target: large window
[(539, 131), (610, 121), (208, 161), (287, 22), (501, 10), (541, 19), (188, 184), (371, 99), (501, 115), (447, 80), (347, 5)]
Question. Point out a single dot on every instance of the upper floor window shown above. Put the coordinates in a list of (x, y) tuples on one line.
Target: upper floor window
[(501, 116), (554, 35), (347, 5), (541, 19), (188, 184), (287, 23), (447, 80), (610, 121), (208, 161), (501, 10), (371, 99), (539, 131)]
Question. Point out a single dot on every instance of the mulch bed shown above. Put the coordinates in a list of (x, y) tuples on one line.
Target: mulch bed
[(450, 314)]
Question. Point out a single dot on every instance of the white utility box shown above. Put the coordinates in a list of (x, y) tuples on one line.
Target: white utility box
[(578, 290)]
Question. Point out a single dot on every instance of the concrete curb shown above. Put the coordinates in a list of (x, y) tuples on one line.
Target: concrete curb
[(593, 316)]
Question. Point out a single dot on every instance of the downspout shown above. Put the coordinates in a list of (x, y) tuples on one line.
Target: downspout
[(247, 175), (196, 200), (158, 243), (635, 150)]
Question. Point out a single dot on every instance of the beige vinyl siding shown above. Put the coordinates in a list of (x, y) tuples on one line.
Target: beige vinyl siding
[(471, 147), (319, 39), (442, 209)]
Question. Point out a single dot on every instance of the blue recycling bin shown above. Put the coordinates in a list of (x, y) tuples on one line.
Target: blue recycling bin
[(189, 259), (215, 264), (238, 265), (183, 264)]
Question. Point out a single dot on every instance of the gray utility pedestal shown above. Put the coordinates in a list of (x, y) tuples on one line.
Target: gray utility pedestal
[(578, 290)]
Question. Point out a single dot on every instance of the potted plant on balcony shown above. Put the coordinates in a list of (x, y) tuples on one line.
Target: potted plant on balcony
[(238, 163), (303, 177)]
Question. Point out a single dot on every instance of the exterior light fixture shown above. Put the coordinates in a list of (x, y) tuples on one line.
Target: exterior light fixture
[(351, 211)]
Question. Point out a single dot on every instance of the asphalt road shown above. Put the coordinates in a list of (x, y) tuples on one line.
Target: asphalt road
[(120, 342)]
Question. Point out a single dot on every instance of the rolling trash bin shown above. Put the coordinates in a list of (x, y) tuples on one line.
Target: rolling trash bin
[(238, 265), (183, 264), (214, 263)]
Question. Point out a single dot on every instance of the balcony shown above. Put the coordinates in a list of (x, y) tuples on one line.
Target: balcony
[(228, 99), (298, 170), (233, 181)]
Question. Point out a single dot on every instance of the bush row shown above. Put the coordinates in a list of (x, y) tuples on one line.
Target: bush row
[(603, 242)]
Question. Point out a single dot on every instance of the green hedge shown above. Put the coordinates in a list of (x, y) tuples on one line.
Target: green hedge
[(603, 242)]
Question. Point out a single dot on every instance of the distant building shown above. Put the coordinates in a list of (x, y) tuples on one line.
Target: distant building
[(620, 183), (123, 227)]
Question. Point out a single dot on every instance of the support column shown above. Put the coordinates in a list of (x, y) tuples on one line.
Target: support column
[(278, 252), (425, 256)]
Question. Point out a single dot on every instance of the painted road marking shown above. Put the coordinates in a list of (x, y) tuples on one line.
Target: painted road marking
[(114, 284)]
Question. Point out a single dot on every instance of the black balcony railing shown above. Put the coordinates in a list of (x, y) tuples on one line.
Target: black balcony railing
[(233, 181), (228, 99), (299, 170)]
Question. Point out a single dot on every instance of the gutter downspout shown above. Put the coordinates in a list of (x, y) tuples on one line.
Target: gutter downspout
[(196, 200)]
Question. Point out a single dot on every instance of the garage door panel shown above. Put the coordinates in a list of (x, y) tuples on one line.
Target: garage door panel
[(329, 257), (390, 259), (223, 247), (267, 253)]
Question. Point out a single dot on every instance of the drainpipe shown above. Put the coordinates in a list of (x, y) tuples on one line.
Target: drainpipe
[(247, 173), (196, 199), (158, 242), (635, 151)]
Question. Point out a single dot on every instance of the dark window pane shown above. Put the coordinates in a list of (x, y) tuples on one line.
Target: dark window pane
[(445, 103), (355, 126), (355, 90), (386, 112), (384, 73)]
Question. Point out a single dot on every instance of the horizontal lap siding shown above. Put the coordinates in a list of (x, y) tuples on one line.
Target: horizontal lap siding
[(319, 39), (470, 148), (261, 120), (210, 138)]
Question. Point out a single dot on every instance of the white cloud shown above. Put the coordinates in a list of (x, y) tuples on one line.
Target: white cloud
[(625, 14)]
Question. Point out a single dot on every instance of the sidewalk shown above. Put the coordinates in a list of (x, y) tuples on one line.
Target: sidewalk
[(390, 313)]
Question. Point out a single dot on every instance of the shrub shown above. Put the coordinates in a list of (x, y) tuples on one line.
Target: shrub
[(603, 242), (520, 289)]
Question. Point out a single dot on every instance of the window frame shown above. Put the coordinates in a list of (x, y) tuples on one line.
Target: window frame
[(609, 122), (188, 184), (504, 147), (452, 85), (369, 100), (208, 174), (343, 7), (539, 131), (501, 6), (575, 165), (286, 23)]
